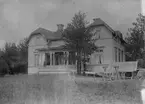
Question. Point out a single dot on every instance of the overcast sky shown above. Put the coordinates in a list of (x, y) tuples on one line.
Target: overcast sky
[(18, 18)]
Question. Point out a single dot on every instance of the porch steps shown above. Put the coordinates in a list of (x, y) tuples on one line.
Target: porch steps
[(53, 72), (56, 71)]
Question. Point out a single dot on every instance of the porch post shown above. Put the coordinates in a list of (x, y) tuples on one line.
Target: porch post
[(53, 58), (63, 57), (50, 58), (40, 59), (67, 53)]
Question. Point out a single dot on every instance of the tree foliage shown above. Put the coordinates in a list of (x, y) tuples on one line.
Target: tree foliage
[(14, 57), (4, 68), (23, 50), (134, 39), (78, 37)]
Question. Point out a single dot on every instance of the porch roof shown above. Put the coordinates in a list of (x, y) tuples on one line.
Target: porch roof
[(54, 49)]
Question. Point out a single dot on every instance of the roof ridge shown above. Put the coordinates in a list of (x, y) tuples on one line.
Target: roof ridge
[(47, 33)]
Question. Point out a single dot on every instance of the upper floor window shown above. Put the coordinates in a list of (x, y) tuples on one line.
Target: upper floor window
[(122, 56), (115, 54), (119, 56)]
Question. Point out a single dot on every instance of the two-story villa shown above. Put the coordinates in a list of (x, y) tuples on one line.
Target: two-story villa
[(114, 45), (45, 52)]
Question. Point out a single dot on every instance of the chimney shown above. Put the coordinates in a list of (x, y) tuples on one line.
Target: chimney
[(60, 27), (95, 19), (98, 21)]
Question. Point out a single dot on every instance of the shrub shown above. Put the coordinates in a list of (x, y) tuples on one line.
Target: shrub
[(141, 63), (19, 68), (4, 68)]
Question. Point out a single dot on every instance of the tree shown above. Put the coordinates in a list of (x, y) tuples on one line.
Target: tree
[(4, 68), (16, 57), (10, 53), (23, 49), (79, 38), (135, 40), (23, 54)]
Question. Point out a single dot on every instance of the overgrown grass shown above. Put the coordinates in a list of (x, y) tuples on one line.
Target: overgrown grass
[(27, 89), (46, 89), (125, 92)]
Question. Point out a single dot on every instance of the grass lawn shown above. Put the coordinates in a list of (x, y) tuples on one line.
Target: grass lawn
[(58, 88)]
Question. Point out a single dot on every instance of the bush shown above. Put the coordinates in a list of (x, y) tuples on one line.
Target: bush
[(141, 63), (4, 68), (19, 68)]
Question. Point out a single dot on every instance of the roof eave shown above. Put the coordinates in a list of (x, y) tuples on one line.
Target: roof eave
[(31, 35)]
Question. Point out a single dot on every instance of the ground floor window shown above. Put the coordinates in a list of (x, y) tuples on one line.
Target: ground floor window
[(115, 54), (122, 56), (119, 55), (99, 58)]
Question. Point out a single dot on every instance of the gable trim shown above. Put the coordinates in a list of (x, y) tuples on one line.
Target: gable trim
[(33, 35)]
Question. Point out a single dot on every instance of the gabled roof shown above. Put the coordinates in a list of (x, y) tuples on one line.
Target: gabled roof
[(100, 22), (48, 35)]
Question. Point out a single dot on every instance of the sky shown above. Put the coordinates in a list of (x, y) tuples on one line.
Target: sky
[(18, 18)]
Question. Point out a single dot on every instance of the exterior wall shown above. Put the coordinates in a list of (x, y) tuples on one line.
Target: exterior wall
[(38, 42), (106, 41), (32, 70), (119, 46), (34, 44)]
